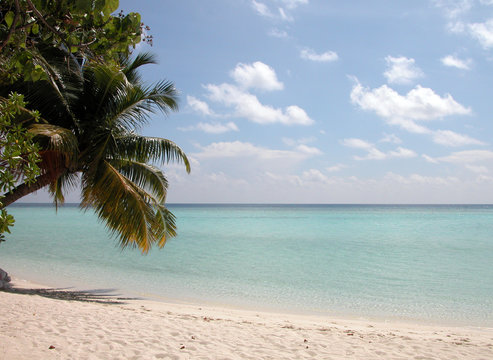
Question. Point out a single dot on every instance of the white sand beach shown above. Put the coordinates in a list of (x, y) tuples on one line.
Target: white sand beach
[(37, 327)]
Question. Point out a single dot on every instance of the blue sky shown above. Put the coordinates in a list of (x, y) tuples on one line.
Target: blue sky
[(321, 101)]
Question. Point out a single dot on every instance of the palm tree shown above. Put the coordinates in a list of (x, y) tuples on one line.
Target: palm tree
[(90, 118)]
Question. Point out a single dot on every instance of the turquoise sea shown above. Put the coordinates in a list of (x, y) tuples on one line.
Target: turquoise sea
[(418, 263)]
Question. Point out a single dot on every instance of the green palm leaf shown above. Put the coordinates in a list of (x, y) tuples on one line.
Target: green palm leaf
[(145, 176), (131, 67), (131, 106), (167, 223), (128, 210), (59, 187), (91, 113), (151, 149)]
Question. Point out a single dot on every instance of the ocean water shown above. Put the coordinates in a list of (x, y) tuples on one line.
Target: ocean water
[(419, 263)]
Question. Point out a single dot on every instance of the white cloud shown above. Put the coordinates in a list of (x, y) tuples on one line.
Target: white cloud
[(421, 180), (277, 179), (199, 106), (483, 32), (257, 75), (292, 4), (454, 8), (456, 27), (418, 104), (401, 70), (302, 141), (453, 61), (374, 153), (309, 150), (278, 33), (262, 9), (262, 182), (290, 142), (309, 54), (336, 168), (245, 104), (239, 149), (455, 11), (248, 106), (429, 159), (409, 125), (484, 179), (314, 175), (450, 138), (401, 153), (467, 156), (284, 15), (216, 128), (357, 143), (391, 138), (296, 115), (478, 169)]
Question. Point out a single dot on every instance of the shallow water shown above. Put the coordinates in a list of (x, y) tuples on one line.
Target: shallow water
[(420, 263)]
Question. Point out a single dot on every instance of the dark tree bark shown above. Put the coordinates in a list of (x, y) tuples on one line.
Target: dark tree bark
[(25, 189)]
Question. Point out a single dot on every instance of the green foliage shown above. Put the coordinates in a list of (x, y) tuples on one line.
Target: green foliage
[(117, 181), (89, 129), (82, 28), (70, 59), (19, 156), (6, 221)]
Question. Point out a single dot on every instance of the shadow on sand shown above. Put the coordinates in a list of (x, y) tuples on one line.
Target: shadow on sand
[(101, 296)]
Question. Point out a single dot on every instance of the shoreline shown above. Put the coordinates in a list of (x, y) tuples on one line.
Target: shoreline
[(196, 302), (143, 329)]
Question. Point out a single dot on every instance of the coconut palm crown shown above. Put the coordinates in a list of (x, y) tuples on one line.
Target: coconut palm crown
[(88, 135)]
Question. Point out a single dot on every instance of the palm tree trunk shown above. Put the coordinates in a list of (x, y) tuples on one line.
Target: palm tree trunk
[(26, 189)]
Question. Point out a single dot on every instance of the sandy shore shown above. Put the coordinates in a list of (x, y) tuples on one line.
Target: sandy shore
[(39, 327)]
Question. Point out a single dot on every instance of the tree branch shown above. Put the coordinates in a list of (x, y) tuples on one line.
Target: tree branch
[(25, 189), (12, 27), (43, 20)]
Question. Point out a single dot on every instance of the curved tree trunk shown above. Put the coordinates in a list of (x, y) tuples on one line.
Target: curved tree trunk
[(26, 189)]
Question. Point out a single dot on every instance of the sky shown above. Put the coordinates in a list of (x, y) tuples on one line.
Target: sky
[(325, 101)]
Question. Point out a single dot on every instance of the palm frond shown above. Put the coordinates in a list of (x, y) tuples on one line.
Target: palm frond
[(145, 176), (62, 185), (56, 138), (132, 105), (128, 210), (168, 223), (145, 149), (164, 95), (103, 81), (131, 66), (90, 115), (129, 108), (54, 95)]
